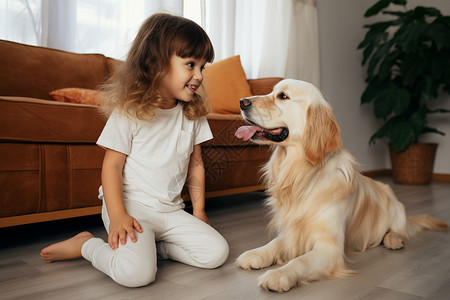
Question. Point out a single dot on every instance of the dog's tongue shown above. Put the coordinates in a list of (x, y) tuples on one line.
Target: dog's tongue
[(246, 132)]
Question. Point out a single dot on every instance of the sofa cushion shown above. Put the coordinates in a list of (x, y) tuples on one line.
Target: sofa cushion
[(225, 84), (77, 95), (30, 71), (34, 120)]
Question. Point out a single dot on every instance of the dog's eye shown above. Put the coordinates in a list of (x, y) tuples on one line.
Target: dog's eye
[(283, 96)]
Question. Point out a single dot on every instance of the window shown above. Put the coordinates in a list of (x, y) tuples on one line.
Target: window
[(82, 26), (249, 28)]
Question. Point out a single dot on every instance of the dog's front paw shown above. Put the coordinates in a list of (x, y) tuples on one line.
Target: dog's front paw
[(276, 280), (393, 241), (253, 259)]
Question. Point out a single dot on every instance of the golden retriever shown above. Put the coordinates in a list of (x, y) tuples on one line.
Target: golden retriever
[(323, 207)]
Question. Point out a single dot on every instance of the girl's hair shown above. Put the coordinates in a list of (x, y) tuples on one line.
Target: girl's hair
[(133, 89)]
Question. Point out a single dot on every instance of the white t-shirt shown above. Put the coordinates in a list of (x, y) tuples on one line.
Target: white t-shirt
[(158, 153)]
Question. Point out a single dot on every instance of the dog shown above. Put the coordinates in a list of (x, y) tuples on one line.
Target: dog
[(322, 207)]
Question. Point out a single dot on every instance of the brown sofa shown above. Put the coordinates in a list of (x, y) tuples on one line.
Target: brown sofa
[(49, 163)]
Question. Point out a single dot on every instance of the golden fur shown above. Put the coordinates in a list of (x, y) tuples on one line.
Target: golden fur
[(323, 207)]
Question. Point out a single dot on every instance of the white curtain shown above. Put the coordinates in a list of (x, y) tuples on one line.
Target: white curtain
[(105, 26), (303, 48), (273, 37), (82, 26), (21, 21)]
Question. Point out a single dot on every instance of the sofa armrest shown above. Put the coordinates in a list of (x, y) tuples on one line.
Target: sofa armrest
[(263, 86)]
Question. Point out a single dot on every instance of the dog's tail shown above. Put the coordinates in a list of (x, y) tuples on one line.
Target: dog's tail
[(419, 222)]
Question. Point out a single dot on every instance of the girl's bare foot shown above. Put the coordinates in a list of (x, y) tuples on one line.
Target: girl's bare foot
[(67, 249)]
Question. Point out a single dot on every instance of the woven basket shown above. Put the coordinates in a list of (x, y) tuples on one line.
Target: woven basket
[(415, 164)]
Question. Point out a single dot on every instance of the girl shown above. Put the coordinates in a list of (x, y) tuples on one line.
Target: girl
[(152, 140)]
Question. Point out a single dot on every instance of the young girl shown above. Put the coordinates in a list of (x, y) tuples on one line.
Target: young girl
[(152, 140)]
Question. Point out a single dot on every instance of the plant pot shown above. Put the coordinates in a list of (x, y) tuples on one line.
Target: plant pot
[(415, 164)]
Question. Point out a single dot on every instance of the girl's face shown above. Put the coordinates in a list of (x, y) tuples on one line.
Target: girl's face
[(183, 79)]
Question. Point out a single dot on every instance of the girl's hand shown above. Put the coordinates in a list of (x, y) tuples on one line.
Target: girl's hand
[(119, 228), (201, 215)]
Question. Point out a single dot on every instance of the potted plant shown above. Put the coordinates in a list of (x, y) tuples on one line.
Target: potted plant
[(408, 65)]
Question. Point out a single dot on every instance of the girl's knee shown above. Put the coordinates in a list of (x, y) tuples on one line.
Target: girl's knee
[(134, 274), (217, 255)]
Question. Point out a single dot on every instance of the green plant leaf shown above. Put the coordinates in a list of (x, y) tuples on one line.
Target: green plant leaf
[(372, 91), (388, 99), (383, 105), (402, 101), (432, 130), (411, 68), (445, 19), (446, 77), (428, 87), (417, 121), (367, 52), (408, 36), (387, 65), (380, 26), (394, 13), (440, 110), (376, 43), (376, 35), (420, 12), (377, 7), (402, 132), (436, 67), (436, 33), (380, 133), (401, 135), (369, 93), (378, 55)]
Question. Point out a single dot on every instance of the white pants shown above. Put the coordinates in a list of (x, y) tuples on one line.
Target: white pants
[(176, 235)]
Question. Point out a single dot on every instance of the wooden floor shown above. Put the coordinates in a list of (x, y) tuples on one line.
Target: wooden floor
[(420, 271)]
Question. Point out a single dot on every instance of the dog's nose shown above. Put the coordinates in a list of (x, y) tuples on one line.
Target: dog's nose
[(245, 104)]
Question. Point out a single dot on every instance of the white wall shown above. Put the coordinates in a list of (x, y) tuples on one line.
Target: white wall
[(342, 82)]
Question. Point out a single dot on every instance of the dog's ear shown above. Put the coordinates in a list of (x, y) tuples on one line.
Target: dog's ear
[(321, 136)]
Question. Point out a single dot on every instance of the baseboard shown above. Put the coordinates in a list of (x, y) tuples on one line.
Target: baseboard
[(437, 177), (441, 177), (233, 191)]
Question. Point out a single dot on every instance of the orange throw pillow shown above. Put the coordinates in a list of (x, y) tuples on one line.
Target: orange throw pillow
[(77, 95), (225, 83)]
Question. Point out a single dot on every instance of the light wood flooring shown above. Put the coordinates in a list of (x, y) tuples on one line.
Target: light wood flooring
[(420, 271)]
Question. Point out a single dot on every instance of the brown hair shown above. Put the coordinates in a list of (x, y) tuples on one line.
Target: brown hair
[(133, 89)]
